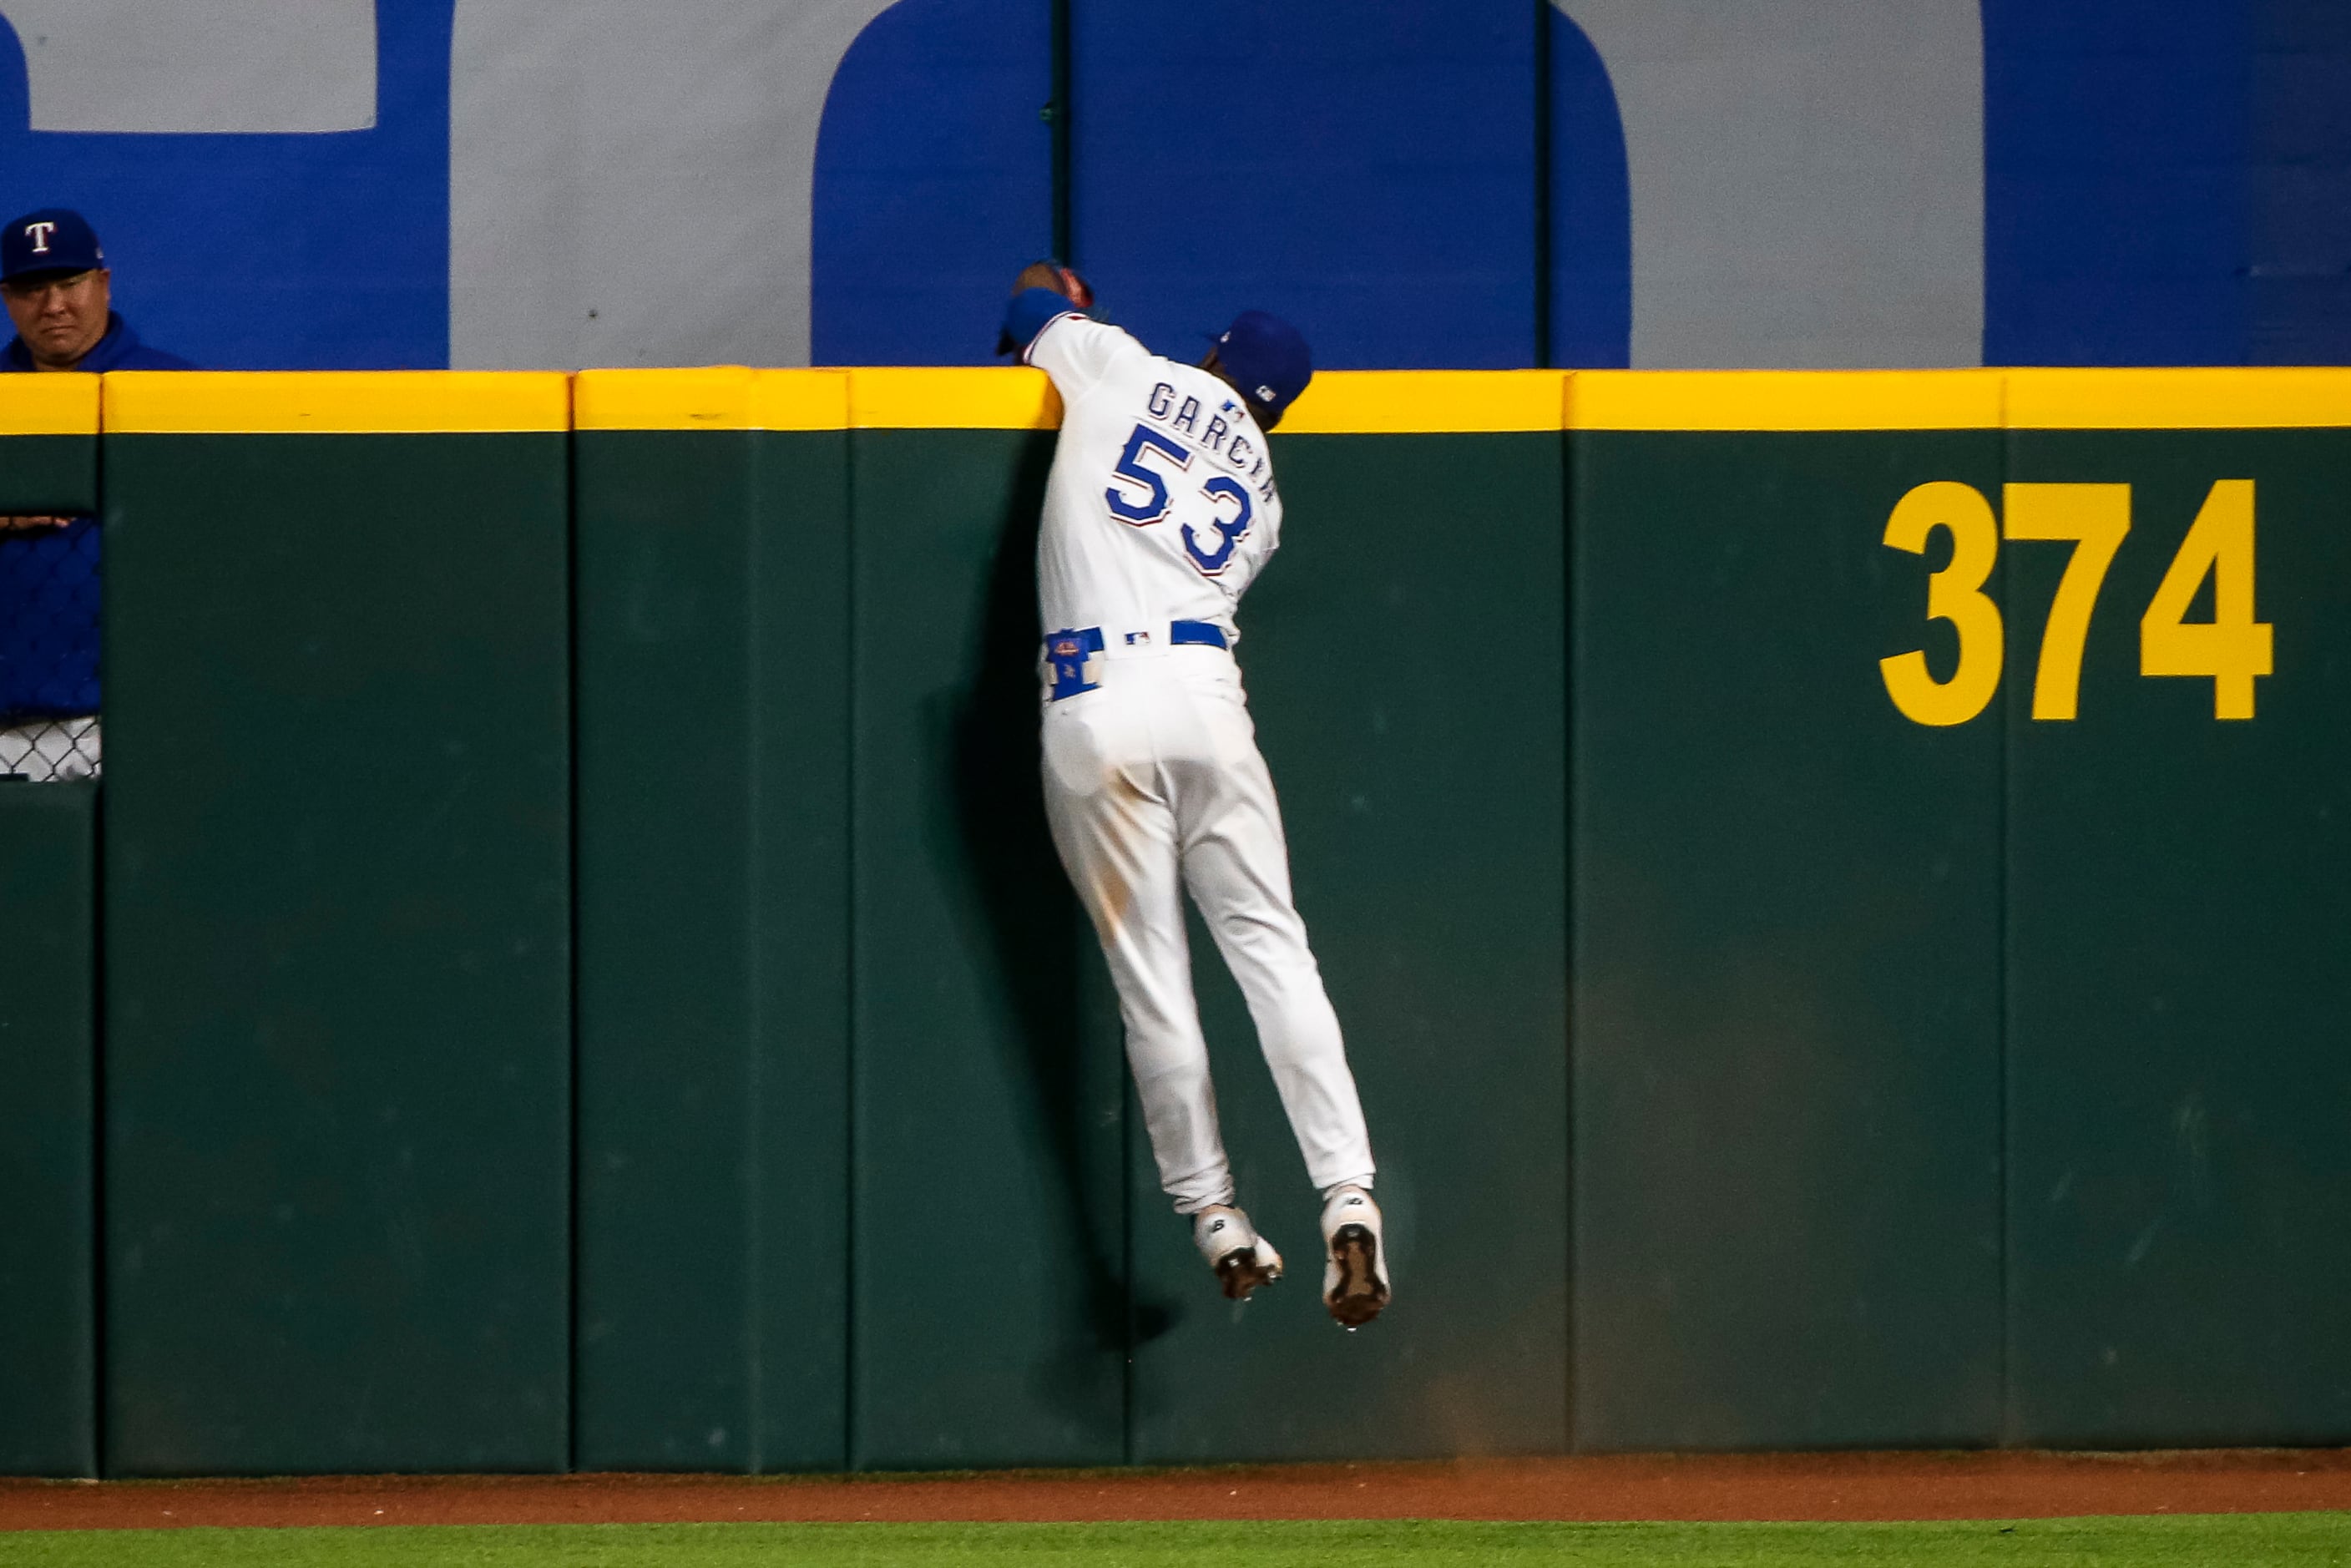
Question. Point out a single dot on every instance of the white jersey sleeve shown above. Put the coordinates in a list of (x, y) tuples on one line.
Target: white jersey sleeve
[(1077, 351)]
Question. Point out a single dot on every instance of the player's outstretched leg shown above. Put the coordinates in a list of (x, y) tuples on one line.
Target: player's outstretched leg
[(1117, 839), (1354, 1258), (1242, 1258), (1238, 869)]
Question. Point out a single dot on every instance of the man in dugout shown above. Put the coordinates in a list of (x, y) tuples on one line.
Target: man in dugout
[(55, 282)]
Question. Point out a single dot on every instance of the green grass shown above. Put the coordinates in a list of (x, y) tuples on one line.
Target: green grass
[(2211, 1539)]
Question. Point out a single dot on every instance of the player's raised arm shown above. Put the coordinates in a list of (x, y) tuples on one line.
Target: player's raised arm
[(1044, 290), (1077, 349)]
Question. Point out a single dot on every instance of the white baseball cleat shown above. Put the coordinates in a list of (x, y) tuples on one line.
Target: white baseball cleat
[(1242, 1258), (1354, 1262)]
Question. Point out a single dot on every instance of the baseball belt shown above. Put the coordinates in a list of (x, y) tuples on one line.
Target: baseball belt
[(1068, 650)]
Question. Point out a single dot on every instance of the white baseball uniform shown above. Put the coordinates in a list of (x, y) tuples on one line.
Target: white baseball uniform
[(1160, 510)]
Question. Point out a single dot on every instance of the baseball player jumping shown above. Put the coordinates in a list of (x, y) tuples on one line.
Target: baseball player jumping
[(1160, 510)]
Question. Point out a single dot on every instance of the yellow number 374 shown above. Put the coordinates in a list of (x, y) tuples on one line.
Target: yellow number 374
[(2230, 649)]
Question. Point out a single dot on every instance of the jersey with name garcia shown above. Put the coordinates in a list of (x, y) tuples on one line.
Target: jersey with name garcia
[(1161, 503)]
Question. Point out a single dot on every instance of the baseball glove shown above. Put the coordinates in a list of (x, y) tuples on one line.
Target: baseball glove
[(1062, 280)]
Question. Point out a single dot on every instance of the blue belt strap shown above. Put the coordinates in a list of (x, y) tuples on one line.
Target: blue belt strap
[(1199, 631)]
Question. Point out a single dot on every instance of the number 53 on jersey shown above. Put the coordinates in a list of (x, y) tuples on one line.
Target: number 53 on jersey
[(1151, 504), (2231, 649)]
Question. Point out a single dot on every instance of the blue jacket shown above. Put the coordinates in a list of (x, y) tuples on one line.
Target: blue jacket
[(119, 350), (48, 577)]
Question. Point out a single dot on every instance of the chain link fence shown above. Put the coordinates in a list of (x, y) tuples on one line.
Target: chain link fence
[(48, 648)]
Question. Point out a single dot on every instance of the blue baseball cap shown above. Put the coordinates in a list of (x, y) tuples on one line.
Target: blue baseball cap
[(1267, 359), (53, 239)]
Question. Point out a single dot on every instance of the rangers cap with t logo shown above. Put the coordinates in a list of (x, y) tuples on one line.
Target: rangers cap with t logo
[(53, 239)]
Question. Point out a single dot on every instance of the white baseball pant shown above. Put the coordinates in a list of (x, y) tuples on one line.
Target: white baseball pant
[(1153, 786)]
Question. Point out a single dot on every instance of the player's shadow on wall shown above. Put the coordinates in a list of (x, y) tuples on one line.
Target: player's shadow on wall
[(1045, 958)]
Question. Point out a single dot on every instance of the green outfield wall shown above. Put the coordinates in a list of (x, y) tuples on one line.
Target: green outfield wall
[(49, 445), (337, 1080), (49, 1016), (1786, 1036), (974, 1051), (711, 652), (48, 1013), (2178, 935), (1833, 882)]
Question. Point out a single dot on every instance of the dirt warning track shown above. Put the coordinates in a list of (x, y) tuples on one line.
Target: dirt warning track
[(1606, 1487)]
